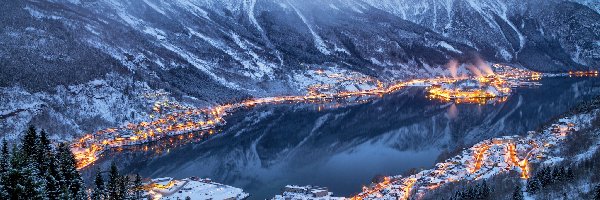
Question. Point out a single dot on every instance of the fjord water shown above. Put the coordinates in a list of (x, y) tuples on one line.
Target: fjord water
[(265, 148)]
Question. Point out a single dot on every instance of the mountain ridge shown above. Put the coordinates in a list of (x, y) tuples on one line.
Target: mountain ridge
[(209, 52)]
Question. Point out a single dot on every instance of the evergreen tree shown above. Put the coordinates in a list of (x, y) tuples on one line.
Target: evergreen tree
[(458, 195), (46, 163), (597, 192), (52, 184), (113, 183), (33, 182), (533, 185), (558, 174), (4, 169), (30, 144), (544, 177), (71, 182), (3, 192), (24, 179), (518, 194), (52, 175), (569, 174), (484, 191), (44, 152), (14, 184), (14, 187), (99, 189), (124, 188), (4, 158), (138, 187)]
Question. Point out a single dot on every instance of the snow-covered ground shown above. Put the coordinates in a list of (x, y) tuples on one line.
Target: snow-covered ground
[(333, 80), (294, 192), (195, 188), (484, 160)]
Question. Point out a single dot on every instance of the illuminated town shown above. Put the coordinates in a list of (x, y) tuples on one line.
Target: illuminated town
[(482, 161), (300, 99), (171, 119), (494, 86)]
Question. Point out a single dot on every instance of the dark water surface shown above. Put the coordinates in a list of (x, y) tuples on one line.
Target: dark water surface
[(262, 149)]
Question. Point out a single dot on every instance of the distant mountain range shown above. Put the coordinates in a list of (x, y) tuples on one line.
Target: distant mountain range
[(71, 66)]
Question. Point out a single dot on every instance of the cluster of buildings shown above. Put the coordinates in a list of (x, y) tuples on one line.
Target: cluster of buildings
[(487, 87), (168, 119), (294, 192), (171, 119), (193, 188), (592, 73), (481, 161), (509, 72), (482, 89), (334, 82)]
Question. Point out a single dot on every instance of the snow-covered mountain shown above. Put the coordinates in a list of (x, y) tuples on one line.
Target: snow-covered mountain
[(202, 52)]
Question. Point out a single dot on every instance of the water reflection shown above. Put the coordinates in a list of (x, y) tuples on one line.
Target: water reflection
[(264, 148), (452, 112)]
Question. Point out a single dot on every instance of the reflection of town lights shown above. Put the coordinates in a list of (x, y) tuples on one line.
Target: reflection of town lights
[(171, 118)]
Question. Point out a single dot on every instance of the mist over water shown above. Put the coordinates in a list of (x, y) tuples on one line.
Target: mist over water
[(265, 148)]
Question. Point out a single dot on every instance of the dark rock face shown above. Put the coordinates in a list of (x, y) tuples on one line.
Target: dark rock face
[(214, 51)]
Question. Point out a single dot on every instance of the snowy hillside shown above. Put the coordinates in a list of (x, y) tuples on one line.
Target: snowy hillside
[(203, 52)]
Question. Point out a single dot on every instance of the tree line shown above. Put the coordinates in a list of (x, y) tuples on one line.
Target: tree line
[(38, 169), (478, 191), (549, 176)]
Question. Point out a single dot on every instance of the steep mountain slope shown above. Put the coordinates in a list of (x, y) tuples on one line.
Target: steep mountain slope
[(202, 52), (542, 35)]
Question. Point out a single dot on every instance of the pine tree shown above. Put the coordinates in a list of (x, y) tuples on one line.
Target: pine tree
[(138, 187), (3, 192), (545, 177), (33, 182), (99, 189), (44, 152), (124, 188), (597, 192), (113, 183), (4, 158), (30, 144), (14, 178), (52, 186), (518, 194), (569, 174), (71, 179), (4, 169), (30, 182), (53, 178), (484, 192), (558, 174), (14, 187), (458, 195), (533, 185)]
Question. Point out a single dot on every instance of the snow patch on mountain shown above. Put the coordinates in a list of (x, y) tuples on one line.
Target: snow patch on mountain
[(448, 46), (319, 43)]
